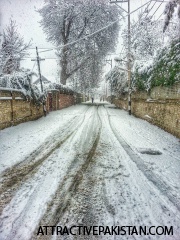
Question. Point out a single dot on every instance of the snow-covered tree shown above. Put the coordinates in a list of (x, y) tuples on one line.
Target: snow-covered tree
[(169, 11), (13, 49), (173, 31), (156, 53), (117, 78), (163, 71), (88, 76), (146, 38), (67, 21), (22, 80)]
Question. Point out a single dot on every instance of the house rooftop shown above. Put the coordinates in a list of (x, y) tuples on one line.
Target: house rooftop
[(44, 80)]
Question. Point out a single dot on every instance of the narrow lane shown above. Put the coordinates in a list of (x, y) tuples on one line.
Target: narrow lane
[(95, 177), (30, 201), (13, 176), (113, 191)]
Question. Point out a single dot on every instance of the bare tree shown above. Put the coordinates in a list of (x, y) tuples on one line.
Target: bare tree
[(66, 21), (13, 49)]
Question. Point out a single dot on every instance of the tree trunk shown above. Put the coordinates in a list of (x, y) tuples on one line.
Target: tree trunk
[(63, 63), (63, 75)]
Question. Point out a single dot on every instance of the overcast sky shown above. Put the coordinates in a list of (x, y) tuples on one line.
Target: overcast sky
[(27, 19)]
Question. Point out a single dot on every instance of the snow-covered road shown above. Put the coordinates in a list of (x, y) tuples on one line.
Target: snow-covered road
[(92, 166)]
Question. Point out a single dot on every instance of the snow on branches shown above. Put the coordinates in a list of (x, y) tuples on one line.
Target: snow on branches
[(67, 21), (169, 11), (146, 37), (22, 80), (13, 49), (117, 79), (163, 71), (156, 53)]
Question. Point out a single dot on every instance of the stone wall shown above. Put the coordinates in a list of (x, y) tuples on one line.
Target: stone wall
[(16, 108), (161, 107)]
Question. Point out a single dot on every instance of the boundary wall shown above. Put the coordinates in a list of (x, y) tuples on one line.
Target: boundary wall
[(161, 107), (16, 108)]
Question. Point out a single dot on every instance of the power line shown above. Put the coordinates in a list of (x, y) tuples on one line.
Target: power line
[(119, 6), (38, 47), (51, 49), (146, 9), (151, 8), (149, 12), (156, 1), (24, 58), (92, 34), (33, 66), (140, 7), (139, 20), (157, 8), (160, 16)]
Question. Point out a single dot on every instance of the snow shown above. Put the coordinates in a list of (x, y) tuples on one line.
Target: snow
[(10, 89), (147, 116), (95, 170), (27, 137), (5, 98), (142, 135), (19, 98), (51, 173)]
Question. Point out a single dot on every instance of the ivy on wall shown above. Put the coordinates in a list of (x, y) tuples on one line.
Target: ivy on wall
[(163, 71)]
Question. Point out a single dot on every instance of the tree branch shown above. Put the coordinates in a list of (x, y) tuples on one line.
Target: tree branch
[(78, 67)]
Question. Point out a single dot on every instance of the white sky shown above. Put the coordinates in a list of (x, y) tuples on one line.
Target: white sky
[(27, 19)]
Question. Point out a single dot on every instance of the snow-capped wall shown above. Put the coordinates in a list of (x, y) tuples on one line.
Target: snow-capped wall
[(160, 107), (15, 107)]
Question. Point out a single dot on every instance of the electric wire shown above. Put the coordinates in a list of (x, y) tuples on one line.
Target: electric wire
[(92, 34), (85, 37), (147, 15), (157, 8), (160, 16), (149, 12), (33, 66), (150, 9), (146, 9)]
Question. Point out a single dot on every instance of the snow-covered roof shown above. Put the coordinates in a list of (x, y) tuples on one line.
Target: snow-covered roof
[(44, 80)]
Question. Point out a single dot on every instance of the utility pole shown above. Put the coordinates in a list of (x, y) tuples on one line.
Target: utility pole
[(109, 61), (129, 50), (38, 59), (129, 58)]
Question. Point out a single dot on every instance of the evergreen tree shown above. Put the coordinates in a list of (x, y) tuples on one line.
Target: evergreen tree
[(13, 49)]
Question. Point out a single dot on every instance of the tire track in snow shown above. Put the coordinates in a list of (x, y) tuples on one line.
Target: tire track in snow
[(157, 182), (11, 179), (21, 216), (134, 206), (109, 207), (150, 138), (69, 186)]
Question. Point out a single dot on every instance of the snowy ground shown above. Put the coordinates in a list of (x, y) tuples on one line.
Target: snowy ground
[(88, 165)]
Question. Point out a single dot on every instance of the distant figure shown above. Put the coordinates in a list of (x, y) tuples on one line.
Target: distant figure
[(92, 99)]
